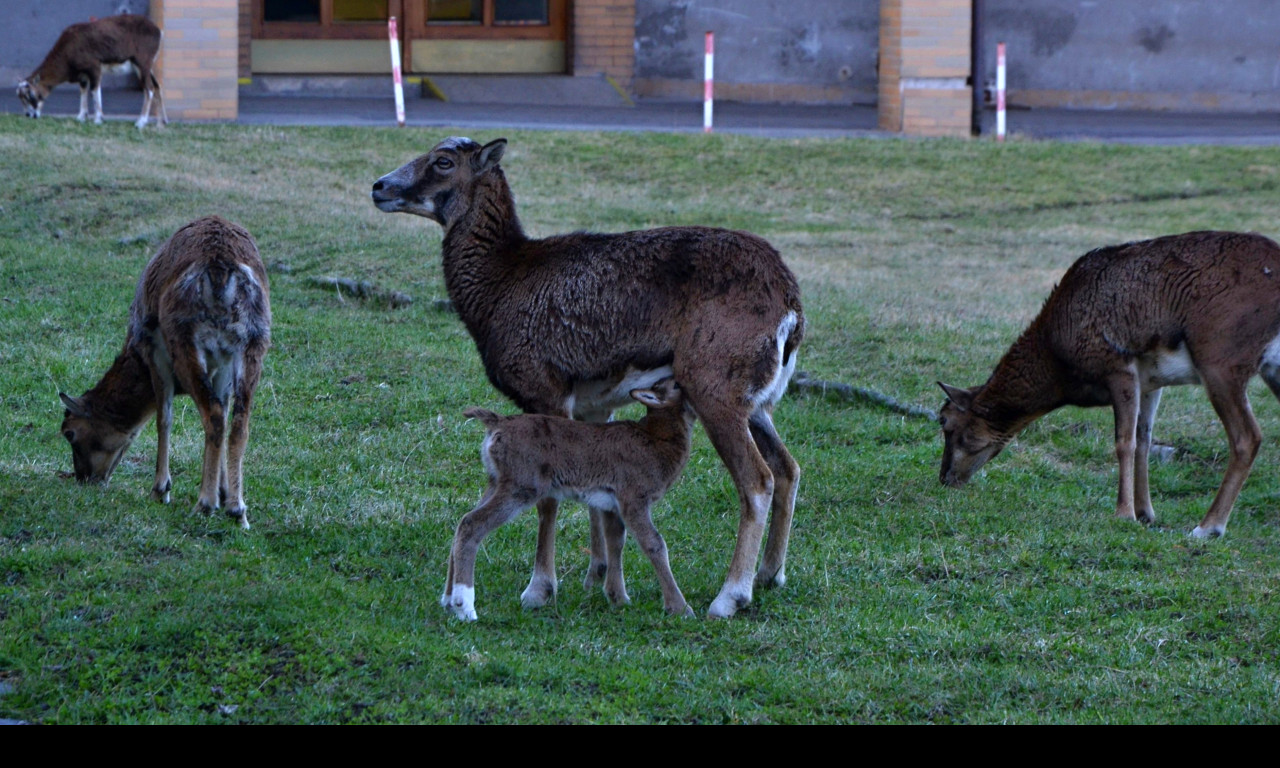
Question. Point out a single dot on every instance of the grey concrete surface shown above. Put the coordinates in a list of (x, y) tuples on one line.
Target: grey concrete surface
[(782, 121)]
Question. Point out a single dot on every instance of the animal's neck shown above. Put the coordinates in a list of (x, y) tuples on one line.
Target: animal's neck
[(124, 397), (1026, 384), (478, 245), (487, 220), (670, 436)]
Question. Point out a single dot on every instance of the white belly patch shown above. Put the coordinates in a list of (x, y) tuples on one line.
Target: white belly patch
[(1167, 367), (595, 400)]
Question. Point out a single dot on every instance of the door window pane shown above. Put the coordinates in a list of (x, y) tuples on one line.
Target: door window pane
[(455, 11), (291, 10), (520, 12), (359, 10)]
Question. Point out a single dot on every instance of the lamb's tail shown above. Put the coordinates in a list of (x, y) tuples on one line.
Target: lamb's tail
[(489, 418)]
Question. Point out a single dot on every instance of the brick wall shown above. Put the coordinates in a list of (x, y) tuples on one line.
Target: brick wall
[(199, 58), (603, 39), (924, 64)]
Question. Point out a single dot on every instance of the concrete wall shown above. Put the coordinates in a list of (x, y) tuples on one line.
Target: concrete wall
[(1174, 54), (29, 28), (766, 50)]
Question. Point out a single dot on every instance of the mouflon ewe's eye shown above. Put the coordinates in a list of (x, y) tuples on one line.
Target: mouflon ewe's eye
[(444, 163)]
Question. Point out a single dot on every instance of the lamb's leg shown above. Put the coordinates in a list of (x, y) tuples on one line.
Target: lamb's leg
[(786, 482), (542, 584), (500, 505), (615, 537), (640, 521)]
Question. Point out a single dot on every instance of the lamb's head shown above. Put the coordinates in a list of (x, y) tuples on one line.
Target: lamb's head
[(433, 184), (969, 440), (665, 395), (32, 95), (96, 446)]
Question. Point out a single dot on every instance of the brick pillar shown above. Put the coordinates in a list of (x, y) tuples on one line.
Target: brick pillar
[(924, 65), (244, 63), (604, 37), (199, 57)]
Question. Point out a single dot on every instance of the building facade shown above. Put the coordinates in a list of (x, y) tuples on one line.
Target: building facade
[(1179, 54)]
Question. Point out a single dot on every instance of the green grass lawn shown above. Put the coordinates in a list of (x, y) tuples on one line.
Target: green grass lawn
[(1015, 599)]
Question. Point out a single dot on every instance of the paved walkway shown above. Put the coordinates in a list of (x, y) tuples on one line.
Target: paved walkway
[(783, 121)]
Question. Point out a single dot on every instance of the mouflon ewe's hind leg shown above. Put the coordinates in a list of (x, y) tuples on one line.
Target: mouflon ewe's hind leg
[(1227, 392), (151, 95), (728, 429), (786, 482), (231, 490), (84, 101), (213, 415), (1150, 402), (500, 505), (1124, 402), (97, 101), (162, 384), (638, 517)]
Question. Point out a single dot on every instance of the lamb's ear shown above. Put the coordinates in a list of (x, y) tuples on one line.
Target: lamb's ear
[(491, 154), (647, 397), (962, 398), (74, 405)]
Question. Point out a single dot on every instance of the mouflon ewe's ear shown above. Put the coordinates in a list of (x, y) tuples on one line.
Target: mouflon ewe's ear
[(962, 398), (491, 154), (73, 405)]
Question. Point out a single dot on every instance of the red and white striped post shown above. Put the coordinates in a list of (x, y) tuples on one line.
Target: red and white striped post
[(999, 91), (707, 83), (395, 69)]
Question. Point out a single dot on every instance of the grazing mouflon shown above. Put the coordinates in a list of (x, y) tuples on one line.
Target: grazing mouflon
[(200, 325), (79, 55), (1199, 308)]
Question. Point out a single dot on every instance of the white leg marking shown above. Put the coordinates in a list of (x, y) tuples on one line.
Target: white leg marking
[(1206, 533), (462, 602), (735, 595)]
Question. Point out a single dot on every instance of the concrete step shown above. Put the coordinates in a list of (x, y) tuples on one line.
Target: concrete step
[(543, 90), (540, 90)]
